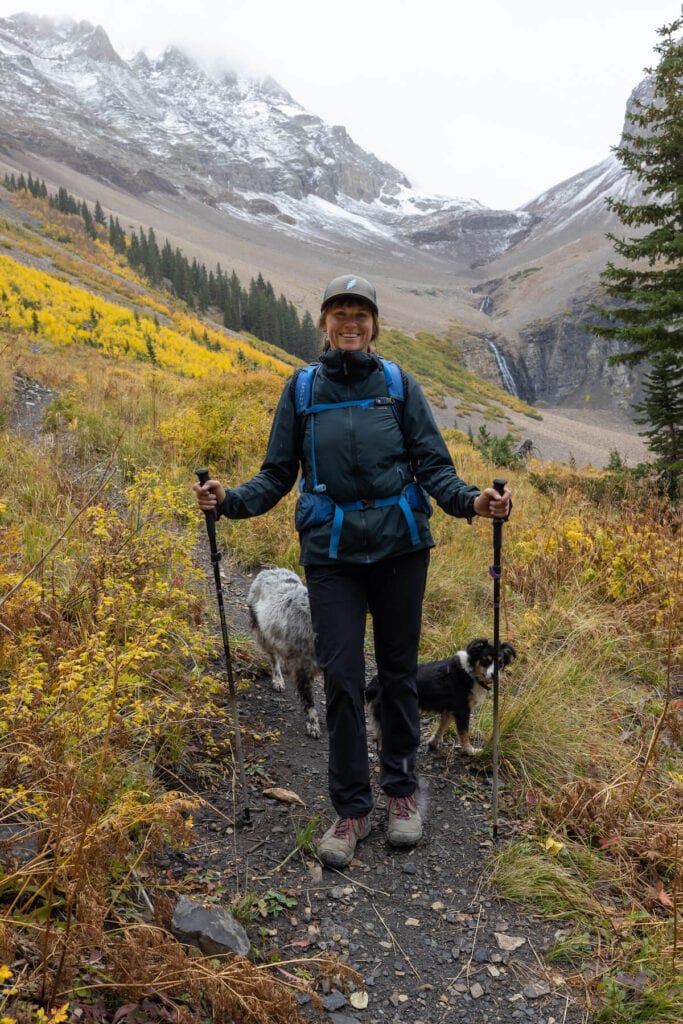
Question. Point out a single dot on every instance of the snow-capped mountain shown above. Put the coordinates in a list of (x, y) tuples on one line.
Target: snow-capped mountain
[(167, 126)]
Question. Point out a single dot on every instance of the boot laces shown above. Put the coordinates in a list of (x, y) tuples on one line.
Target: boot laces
[(346, 826), (402, 806)]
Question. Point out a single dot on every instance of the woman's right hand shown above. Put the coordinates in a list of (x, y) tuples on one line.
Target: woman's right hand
[(209, 495)]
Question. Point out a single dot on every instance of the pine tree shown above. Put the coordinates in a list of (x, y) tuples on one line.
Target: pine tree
[(648, 286), (309, 345), (662, 408), (88, 221)]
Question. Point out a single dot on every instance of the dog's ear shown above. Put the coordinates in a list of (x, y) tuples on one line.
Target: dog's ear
[(507, 653), (475, 647)]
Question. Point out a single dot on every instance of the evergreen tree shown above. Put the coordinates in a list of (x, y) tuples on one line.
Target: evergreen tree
[(662, 409), (88, 221), (167, 261), (99, 213), (309, 344), (648, 285), (117, 236), (153, 260)]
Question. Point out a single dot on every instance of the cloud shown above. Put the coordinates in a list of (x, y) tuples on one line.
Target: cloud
[(491, 100)]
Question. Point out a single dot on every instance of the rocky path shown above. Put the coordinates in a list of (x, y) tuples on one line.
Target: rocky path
[(427, 936)]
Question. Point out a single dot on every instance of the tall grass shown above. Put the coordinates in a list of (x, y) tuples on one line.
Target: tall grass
[(105, 668)]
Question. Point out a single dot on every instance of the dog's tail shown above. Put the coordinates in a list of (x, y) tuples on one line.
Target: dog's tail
[(372, 690)]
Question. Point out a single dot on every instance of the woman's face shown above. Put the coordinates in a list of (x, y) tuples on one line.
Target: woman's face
[(349, 327)]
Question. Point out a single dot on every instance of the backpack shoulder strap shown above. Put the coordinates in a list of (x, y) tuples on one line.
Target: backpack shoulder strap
[(394, 378), (302, 383)]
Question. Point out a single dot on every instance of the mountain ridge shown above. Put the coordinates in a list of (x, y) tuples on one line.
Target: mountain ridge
[(278, 190)]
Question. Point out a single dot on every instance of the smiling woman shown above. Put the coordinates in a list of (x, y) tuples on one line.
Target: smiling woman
[(349, 316), (361, 434)]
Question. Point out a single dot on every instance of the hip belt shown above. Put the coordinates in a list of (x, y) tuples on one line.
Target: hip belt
[(316, 509)]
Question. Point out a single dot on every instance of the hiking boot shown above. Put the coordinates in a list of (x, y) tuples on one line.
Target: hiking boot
[(404, 822), (338, 845)]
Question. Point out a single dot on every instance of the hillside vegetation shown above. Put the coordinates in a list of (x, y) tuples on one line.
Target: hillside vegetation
[(110, 684)]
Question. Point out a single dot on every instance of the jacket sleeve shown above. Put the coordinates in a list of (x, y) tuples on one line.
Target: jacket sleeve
[(278, 472), (430, 458)]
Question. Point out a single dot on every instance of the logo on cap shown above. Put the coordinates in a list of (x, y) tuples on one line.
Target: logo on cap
[(352, 284)]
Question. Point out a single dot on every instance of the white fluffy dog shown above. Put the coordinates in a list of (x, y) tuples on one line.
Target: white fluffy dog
[(281, 621)]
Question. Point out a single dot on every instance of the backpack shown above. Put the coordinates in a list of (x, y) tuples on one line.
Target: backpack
[(305, 379), (314, 506)]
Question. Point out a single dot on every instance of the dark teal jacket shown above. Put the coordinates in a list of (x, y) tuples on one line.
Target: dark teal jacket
[(360, 455)]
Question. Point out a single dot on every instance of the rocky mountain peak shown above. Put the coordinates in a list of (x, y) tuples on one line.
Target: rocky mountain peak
[(243, 145)]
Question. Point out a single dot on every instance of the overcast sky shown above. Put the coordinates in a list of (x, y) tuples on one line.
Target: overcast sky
[(494, 99)]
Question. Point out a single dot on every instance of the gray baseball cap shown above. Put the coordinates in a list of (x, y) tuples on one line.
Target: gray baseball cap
[(349, 284)]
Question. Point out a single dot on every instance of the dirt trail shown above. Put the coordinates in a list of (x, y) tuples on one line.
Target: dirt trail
[(428, 936)]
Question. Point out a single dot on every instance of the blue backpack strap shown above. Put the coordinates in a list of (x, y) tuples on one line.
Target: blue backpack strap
[(394, 379), (303, 387)]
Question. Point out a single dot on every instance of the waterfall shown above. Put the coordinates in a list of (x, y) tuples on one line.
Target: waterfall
[(486, 304), (506, 377)]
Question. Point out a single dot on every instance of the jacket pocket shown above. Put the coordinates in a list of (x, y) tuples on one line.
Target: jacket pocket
[(312, 510)]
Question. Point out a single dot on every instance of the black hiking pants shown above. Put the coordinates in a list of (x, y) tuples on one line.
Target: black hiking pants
[(340, 597)]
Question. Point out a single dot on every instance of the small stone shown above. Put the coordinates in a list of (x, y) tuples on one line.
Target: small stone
[(409, 868), (480, 955), (509, 942), (493, 971), (335, 1001), (412, 922), (315, 871), (476, 991), (438, 905), (536, 990)]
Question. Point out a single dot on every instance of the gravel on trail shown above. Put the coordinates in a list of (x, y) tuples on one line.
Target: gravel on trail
[(428, 937)]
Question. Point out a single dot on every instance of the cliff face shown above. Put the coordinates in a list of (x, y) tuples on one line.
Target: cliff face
[(562, 363)]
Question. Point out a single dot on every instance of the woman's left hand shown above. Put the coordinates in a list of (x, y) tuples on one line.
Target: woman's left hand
[(492, 505)]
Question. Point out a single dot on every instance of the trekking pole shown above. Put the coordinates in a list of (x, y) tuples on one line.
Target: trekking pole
[(495, 571), (210, 515)]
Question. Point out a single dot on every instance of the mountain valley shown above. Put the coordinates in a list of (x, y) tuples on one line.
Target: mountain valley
[(235, 172)]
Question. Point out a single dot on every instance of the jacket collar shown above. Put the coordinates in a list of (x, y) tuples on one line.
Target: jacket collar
[(348, 366)]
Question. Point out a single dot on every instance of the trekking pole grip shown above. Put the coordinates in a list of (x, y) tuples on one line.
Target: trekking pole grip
[(499, 485), (209, 514)]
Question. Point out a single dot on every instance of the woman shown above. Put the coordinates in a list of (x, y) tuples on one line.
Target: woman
[(368, 448)]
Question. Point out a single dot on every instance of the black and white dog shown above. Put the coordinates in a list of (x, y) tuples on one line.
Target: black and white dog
[(281, 622), (454, 687)]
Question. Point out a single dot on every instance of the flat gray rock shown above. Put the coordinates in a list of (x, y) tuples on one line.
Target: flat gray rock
[(213, 929)]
